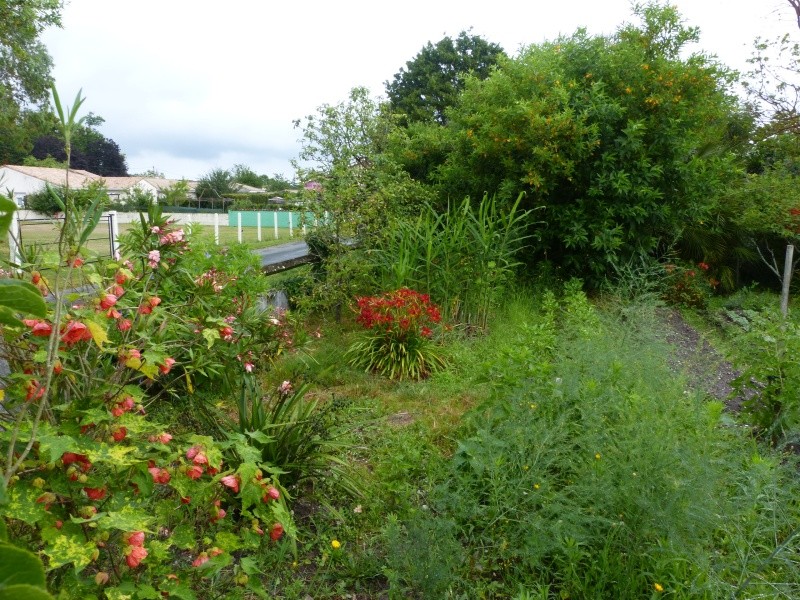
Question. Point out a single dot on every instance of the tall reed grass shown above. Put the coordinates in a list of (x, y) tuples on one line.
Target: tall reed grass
[(465, 257)]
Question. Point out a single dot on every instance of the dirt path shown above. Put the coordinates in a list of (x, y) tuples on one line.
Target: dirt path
[(704, 367)]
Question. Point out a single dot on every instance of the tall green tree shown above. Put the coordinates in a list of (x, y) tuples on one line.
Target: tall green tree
[(433, 79), (357, 188), (215, 185), (91, 150), (24, 71), (24, 61)]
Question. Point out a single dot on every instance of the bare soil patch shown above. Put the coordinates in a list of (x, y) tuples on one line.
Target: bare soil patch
[(703, 366)]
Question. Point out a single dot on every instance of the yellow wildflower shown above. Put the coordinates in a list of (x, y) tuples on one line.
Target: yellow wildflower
[(658, 587), (335, 544)]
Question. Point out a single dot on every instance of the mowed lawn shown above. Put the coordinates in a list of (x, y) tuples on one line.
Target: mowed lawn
[(44, 233)]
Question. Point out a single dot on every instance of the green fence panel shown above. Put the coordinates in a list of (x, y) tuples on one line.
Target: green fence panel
[(250, 219)]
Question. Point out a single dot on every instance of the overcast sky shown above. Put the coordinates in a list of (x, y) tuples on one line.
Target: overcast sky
[(186, 86)]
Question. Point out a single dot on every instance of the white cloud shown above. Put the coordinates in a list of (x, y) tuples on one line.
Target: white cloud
[(187, 86)]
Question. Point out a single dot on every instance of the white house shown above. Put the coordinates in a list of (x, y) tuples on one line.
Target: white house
[(19, 181), (120, 188)]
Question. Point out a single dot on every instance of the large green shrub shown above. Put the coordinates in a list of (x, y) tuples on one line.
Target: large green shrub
[(620, 141)]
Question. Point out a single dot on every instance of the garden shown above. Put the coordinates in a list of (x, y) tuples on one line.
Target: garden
[(577, 386)]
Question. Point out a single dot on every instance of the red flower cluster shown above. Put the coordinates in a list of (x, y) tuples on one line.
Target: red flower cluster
[(134, 549), (400, 312), (75, 332)]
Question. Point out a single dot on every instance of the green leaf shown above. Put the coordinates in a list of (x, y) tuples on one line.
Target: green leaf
[(7, 208), (178, 590), (24, 592), (211, 335), (147, 592), (7, 317), (127, 519), (3, 531), (118, 594), (183, 537), (249, 566), (228, 541), (255, 586), (23, 297), (259, 436), (251, 493), (65, 549), (113, 454), (22, 505), (52, 447), (18, 566)]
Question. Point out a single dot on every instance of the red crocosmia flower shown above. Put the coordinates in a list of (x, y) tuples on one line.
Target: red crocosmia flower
[(426, 332), (145, 309), (226, 333), (165, 368), (703, 266), (118, 411), (154, 301), (232, 482), (124, 324), (29, 322), (135, 538), (113, 313), (58, 368), (136, 555), (200, 458), (185, 499), (119, 434), (41, 329), (120, 277), (77, 261), (212, 470), (75, 332), (192, 452), (201, 559), (194, 472), (95, 493), (212, 552), (107, 301), (36, 277), (276, 532)]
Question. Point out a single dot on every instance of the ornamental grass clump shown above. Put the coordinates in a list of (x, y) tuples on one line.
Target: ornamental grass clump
[(398, 341)]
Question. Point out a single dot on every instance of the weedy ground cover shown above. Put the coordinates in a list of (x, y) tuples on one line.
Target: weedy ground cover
[(558, 457)]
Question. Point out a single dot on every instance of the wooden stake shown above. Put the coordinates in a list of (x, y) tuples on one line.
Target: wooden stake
[(787, 279)]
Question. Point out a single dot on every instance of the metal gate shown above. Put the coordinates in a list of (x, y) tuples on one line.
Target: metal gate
[(43, 232)]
